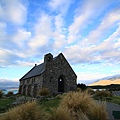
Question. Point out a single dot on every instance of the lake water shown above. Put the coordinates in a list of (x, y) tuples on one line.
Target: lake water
[(13, 90)]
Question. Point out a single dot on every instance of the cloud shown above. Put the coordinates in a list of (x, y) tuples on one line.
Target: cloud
[(49, 32), (91, 49), (108, 22), (7, 57), (59, 32), (3, 27), (20, 37), (42, 33), (6, 83), (13, 11), (85, 14), (25, 63), (60, 6)]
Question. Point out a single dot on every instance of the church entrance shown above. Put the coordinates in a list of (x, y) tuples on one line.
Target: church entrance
[(61, 84)]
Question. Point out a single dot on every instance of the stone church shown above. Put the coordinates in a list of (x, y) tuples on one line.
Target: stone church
[(56, 74)]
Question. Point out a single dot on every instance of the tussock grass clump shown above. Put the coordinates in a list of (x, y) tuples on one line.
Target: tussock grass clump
[(98, 112), (27, 111), (81, 116), (82, 106), (59, 96), (77, 101), (90, 91), (60, 114), (44, 92), (79, 89)]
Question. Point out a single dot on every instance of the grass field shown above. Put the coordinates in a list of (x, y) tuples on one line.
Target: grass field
[(3, 104), (5, 101), (47, 104), (115, 99)]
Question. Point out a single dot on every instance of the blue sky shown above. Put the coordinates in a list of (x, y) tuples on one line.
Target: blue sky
[(87, 32)]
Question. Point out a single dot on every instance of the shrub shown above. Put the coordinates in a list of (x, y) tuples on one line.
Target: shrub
[(102, 94), (1, 93), (10, 93), (44, 92), (27, 111), (82, 86)]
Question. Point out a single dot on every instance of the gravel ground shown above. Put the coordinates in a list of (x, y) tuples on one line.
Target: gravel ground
[(110, 108)]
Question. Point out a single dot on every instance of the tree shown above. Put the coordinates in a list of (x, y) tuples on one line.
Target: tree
[(82, 86)]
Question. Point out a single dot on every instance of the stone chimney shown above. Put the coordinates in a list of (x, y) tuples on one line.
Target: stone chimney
[(48, 58)]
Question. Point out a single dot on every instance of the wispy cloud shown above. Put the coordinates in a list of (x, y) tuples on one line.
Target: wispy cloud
[(108, 22), (13, 11), (60, 6), (86, 13), (20, 37)]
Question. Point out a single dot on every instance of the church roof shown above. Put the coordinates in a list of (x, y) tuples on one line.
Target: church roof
[(36, 70)]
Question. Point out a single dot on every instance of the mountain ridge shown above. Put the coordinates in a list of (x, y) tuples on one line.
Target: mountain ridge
[(5, 84), (115, 79)]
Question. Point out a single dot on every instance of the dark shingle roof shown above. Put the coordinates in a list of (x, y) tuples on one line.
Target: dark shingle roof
[(36, 70)]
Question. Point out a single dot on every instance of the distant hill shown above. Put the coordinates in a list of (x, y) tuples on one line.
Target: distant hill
[(5, 84), (107, 81)]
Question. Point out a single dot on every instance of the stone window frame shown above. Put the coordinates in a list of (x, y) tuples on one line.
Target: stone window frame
[(28, 81), (33, 80)]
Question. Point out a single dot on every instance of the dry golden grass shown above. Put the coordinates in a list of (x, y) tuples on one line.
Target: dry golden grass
[(27, 111), (59, 96), (83, 107), (77, 101), (44, 92), (81, 116), (98, 112), (79, 89), (90, 91), (73, 106), (60, 114)]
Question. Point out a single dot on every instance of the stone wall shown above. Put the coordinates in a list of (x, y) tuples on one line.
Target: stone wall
[(31, 86), (55, 69)]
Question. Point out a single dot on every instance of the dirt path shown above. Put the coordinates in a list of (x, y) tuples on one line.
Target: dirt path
[(110, 108)]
